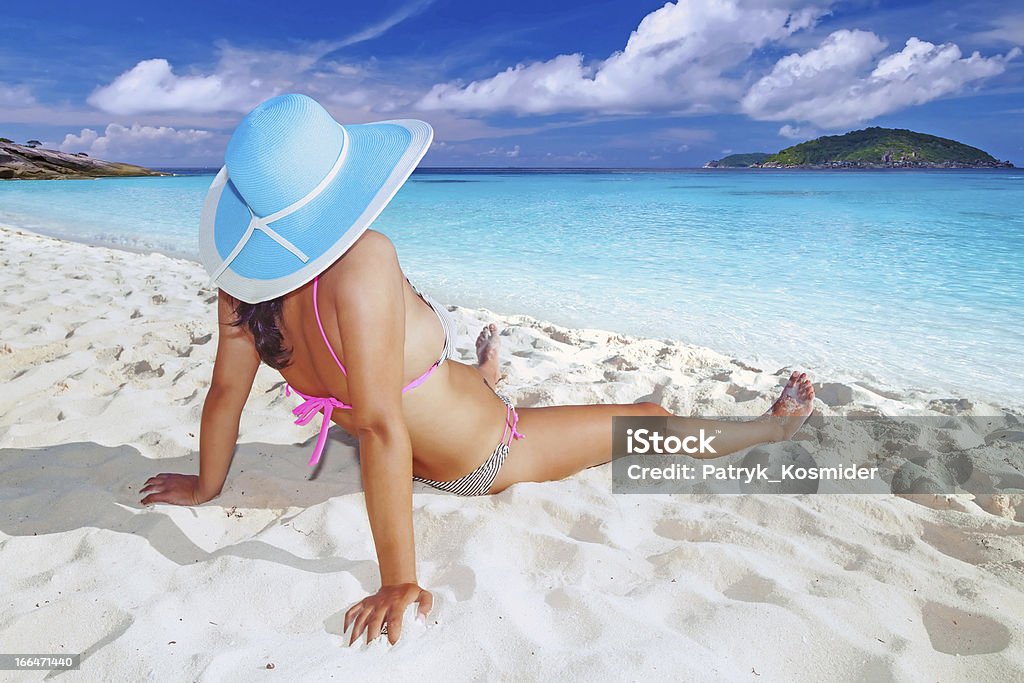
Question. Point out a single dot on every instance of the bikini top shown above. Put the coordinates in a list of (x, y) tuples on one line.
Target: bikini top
[(312, 405)]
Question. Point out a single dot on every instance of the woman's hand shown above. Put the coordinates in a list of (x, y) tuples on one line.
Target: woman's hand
[(176, 489), (386, 607)]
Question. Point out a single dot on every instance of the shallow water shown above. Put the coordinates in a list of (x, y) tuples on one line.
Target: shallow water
[(906, 279)]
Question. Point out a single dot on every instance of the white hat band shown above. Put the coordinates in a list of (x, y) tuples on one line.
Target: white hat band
[(262, 224)]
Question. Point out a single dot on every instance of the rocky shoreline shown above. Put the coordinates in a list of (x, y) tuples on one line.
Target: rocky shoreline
[(25, 162), (863, 165), (869, 166)]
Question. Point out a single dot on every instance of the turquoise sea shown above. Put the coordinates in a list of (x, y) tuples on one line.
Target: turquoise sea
[(904, 279)]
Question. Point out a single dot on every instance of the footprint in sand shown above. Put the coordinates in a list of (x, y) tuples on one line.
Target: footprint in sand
[(96, 626), (589, 529), (682, 530), (960, 633), (621, 363), (930, 474), (741, 395), (1004, 435), (143, 370), (773, 460), (834, 394), (950, 406), (754, 588), (460, 579)]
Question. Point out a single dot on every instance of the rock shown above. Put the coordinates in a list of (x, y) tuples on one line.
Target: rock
[(20, 161)]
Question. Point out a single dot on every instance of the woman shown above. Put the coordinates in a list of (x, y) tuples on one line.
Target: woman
[(308, 289)]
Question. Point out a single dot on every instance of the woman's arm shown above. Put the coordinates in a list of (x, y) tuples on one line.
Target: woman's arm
[(367, 299), (233, 373)]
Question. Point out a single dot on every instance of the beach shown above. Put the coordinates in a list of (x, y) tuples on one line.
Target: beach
[(106, 356)]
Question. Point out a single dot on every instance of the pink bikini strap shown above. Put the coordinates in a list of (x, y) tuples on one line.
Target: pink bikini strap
[(420, 380), (316, 311), (515, 420), (308, 409)]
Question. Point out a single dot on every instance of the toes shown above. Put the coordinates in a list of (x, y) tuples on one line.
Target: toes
[(806, 388), (485, 334), (799, 386)]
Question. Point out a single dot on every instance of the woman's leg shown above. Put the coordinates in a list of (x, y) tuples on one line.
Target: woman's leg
[(563, 440)]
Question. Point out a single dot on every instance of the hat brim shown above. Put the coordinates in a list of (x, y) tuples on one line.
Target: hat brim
[(380, 158)]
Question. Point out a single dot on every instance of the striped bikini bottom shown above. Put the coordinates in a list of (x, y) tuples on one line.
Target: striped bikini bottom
[(479, 481)]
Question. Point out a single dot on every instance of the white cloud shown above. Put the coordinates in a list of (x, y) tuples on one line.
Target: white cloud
[(511, 153), (797, 132), (16, 95), (687, 57), (242, 78), (840, 83), (386, 24), (139, 143), (679, 58), (152, 85), (1008, 29)]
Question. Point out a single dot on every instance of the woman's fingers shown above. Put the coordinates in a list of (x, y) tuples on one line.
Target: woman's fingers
[(386, 608), (426, 603), (375, 623), (174, 489), (360, 624), (394, 620), (351, 614), (153, 481)]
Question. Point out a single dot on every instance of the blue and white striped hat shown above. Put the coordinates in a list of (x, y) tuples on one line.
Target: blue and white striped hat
[(296, 191)]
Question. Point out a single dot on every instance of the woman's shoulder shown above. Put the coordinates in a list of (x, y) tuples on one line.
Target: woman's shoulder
[(371, 256), (372, 249)]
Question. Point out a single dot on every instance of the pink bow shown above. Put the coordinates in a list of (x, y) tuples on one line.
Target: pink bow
[(515, 421), (308, 409)]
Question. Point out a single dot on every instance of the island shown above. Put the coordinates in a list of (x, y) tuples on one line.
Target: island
[(739, 160), (31, 162), (870, 148)]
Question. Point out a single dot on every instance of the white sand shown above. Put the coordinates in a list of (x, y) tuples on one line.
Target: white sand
[(105, 357)]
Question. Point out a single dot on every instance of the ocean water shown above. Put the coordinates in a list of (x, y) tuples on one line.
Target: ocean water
[(907, 280)]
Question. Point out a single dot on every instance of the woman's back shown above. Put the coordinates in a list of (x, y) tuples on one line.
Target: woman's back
[(441, 445)]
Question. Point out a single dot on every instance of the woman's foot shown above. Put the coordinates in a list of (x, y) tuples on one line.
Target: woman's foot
[(794, 405), (487, 346)]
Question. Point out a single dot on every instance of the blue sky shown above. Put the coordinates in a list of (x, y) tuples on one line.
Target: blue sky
[(531, 83)]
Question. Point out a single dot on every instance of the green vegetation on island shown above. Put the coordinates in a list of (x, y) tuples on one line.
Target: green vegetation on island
[(739, 160), (30, 161), (874, 148)]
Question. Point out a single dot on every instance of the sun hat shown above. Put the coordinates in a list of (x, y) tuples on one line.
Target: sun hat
[(296, 191)]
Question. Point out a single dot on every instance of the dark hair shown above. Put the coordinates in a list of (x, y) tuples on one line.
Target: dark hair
[(262, 319)]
